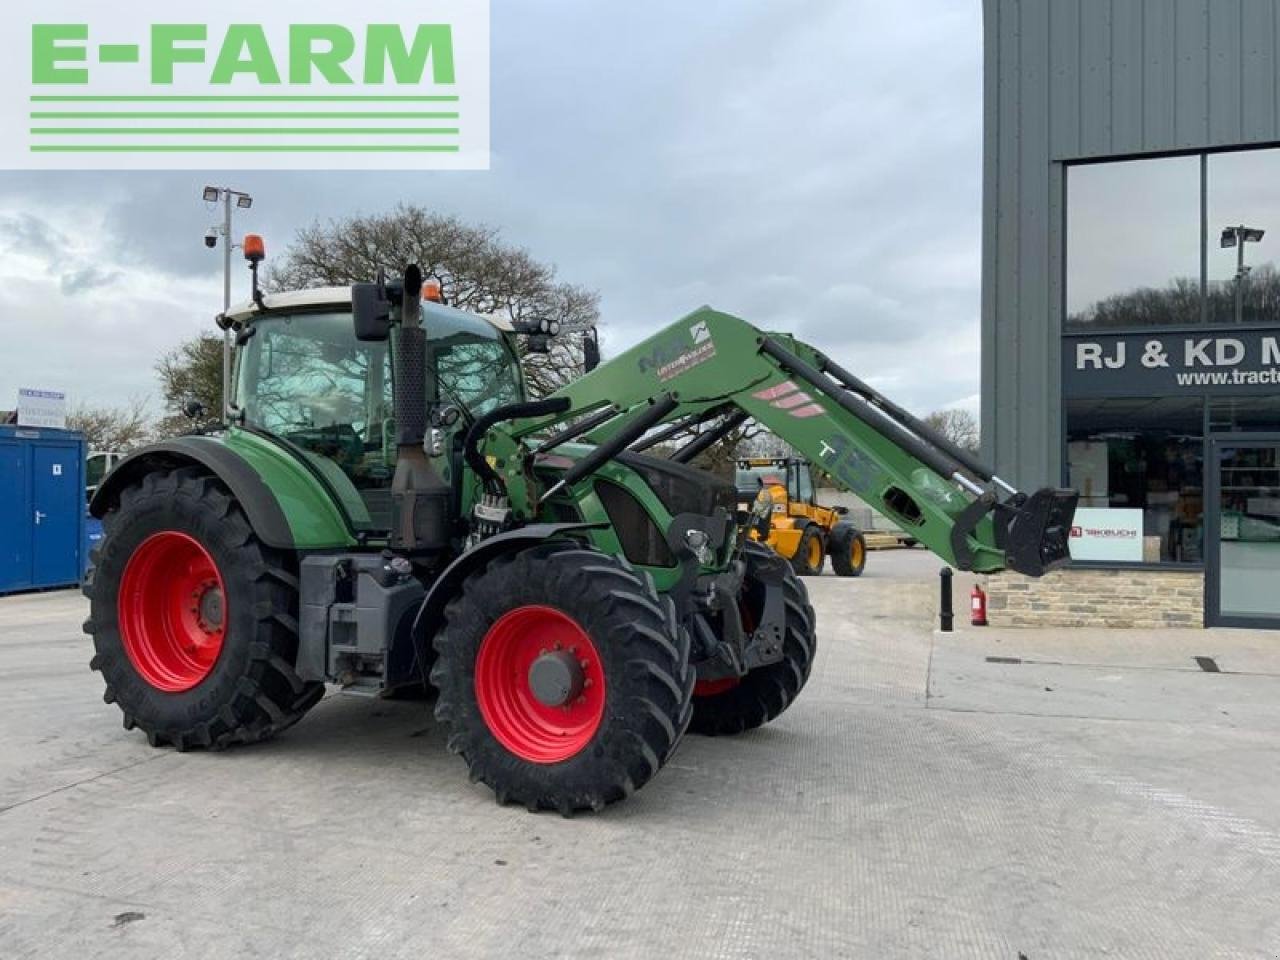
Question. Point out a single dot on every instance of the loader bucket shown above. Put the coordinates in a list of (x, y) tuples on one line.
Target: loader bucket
[(1037, 532)]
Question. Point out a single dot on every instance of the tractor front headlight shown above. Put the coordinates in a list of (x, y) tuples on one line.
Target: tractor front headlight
[(700, 543)]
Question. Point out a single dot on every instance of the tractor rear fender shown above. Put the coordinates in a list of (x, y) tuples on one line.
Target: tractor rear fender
[(260, 504), (431, 614)]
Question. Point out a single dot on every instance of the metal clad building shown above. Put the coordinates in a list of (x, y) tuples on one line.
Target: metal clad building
[(1115, 167)]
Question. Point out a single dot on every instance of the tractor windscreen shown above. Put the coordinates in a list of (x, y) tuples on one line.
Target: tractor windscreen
[(747, 476), (748, 480), (305, 378)]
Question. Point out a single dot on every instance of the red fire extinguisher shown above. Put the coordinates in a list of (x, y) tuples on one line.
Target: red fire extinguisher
[(978, 606)]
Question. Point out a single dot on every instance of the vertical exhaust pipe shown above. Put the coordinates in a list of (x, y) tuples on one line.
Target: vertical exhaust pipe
[(419, 496)]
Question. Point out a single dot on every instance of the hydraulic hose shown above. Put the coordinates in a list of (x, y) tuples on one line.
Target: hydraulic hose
[(511, 411)]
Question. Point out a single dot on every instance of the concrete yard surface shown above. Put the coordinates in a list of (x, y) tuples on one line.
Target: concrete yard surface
[(988, 793)]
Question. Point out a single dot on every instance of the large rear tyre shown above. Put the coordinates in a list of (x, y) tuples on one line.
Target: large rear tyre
[(811, 553), (848, 550), (726, 707), (564, 678), (193, 619)]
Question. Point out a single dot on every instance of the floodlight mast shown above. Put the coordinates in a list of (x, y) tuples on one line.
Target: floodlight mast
[(244, 202), (1237, 237)]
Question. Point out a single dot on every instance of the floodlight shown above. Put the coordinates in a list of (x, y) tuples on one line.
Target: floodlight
[(244, 201), (211, 194), (1234, 236)]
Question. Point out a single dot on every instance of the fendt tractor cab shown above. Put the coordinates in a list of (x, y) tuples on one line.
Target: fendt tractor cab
[(386, 505), (796, 526)]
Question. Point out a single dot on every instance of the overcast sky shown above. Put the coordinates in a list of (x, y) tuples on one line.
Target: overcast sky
[(813, 167)]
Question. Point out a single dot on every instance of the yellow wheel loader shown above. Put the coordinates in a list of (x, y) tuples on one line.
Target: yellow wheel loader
[(779, 493)]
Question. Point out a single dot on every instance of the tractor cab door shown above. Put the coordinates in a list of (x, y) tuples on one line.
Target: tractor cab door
[(305, 379), (793, 481), (804, 483)]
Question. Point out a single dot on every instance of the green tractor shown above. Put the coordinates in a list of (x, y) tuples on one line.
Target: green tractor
[(386, 506)]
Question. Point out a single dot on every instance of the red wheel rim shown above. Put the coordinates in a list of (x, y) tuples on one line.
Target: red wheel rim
[(522, 723), (172, 611), (709, 688)]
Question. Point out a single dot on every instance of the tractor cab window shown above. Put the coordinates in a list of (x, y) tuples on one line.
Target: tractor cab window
[(478, 373), (306, 379)]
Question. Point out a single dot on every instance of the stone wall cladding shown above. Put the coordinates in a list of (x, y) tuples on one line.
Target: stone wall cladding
[(1097, 598)]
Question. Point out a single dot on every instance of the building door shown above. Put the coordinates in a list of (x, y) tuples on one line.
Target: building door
[(1243, 510), (15, 516), (57, 500)]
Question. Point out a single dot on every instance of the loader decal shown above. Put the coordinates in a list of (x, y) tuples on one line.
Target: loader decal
[(676, 355), (843, 460), (787, 396)]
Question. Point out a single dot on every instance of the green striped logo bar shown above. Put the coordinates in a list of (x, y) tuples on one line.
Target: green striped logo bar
[(251, 89)]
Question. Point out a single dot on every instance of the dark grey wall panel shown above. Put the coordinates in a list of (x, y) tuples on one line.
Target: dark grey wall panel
[(1225, 67), (1258, 76), (1127, 79), (1034, 406), (1095, 76), (1064, 59), (1160, 64), (1083, 80), (1191, 72)]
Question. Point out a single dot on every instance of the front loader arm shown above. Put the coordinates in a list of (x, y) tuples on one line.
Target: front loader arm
[(715, 368)]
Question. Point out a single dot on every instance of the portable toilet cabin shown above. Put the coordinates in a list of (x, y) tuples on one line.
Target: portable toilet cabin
[(42, 508)]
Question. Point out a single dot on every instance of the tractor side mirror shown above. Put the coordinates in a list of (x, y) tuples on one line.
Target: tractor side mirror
[(590, 351), (370, 311)]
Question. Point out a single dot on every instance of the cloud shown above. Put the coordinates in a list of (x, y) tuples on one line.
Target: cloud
[(87, 279), (27, 233)]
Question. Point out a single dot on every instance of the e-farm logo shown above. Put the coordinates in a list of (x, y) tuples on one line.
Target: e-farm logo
[(403, 85)]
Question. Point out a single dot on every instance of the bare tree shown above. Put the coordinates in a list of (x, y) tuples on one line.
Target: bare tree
[(476, 270), (1179, 303), (958, 426), (742, 441), (191, 371), (112, 429)]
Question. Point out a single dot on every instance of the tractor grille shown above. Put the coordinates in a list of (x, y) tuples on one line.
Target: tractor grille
[(642, 541)]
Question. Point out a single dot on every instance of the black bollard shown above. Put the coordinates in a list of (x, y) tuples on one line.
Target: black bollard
[(948, 612)]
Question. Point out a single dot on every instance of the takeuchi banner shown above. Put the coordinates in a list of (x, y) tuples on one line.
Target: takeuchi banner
[(1158, 363), (387, 84)]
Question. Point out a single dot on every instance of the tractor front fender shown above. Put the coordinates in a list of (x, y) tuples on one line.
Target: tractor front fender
[(307, 519), (431, 613)]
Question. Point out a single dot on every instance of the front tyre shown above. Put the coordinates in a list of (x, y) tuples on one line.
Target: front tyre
[(810, 553), (564, 678), (193, 618)]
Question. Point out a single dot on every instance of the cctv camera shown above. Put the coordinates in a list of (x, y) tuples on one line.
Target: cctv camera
[(211, 238)]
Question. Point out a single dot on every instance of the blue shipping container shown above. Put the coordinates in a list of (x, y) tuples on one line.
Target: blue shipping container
[(42, 510)]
